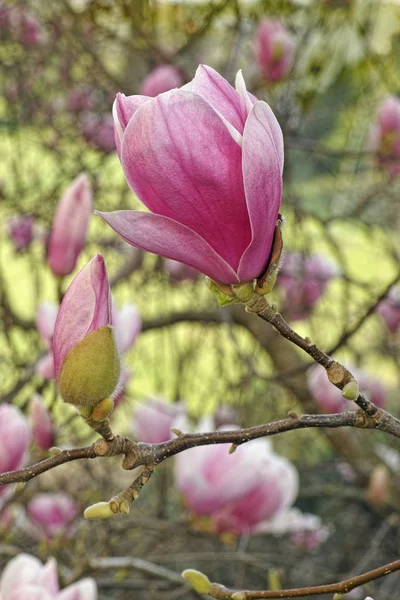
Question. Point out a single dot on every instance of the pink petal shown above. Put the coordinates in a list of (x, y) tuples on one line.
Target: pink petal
[(211, 86), (86, 307), (127, 325), (45, 366), (46, 319), (48, 578), (170, 239), (69, 228), (30, 591), (126, 106), (182, 162), (85, 589), (263, 185), (22, 569)]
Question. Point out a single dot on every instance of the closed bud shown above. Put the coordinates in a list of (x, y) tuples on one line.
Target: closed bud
[(86, 359), (199, 582), (68, 232)]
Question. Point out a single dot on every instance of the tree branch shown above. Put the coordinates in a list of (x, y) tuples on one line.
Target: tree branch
[(343, 587), (137, 454)]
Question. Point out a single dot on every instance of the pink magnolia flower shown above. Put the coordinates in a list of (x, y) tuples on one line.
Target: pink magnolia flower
[(307, 532), (46, 316), (23, 25), (98, 130), (153, 420), (45, 366), (384, 137), (79, 98), (330, 399), (239, 491), (51, 513), (207, 161), (86, 371), (15, 437), (389, 309), (21, 231), (177, 271), (127, 325), (304, 280), (274, 49), (70, 223), (42, 423), (26, 577), (161, 79)]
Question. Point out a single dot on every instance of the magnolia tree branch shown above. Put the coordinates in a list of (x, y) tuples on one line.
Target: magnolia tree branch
[(138, 454), (201, 583)]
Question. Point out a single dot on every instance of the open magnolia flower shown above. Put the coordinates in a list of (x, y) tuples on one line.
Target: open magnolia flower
[(26, 578), (243, 492), (206, 160)]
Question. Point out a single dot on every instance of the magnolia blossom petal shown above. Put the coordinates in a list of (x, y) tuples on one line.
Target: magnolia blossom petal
[(126, 106), (127, 325), (15, 436), (161, 79), (170, 150), (21, 570), (46, 319), (68, 232), (48, 578), (211, 86), (31, 591), (45, 366), (42, 423), (86, 307), (263, 186), (85, 589), (170, 239)]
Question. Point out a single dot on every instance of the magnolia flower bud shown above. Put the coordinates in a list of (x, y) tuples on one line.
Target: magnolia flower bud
[(161, 79), (68, 232), (86, 359), (42, 424), (274, 49)]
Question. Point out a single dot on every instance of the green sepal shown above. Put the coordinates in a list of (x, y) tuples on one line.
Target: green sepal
[(91, 370)]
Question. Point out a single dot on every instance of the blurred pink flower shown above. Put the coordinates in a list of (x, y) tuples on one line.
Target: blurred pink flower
[(177, 271), (52, 513), (225, 415), (127, 325), (330, 399), (42, 423), (45, 366), (79, 98), (153, 420), (21, 231), (274, 49), (161, 79), (23, 25), (304, 280), (307, 532), (98, 130), (46, 316), (25, 577), (15, 437), (389, 309), (70, 224), (239, 491), (384, 137), (201, 159)]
